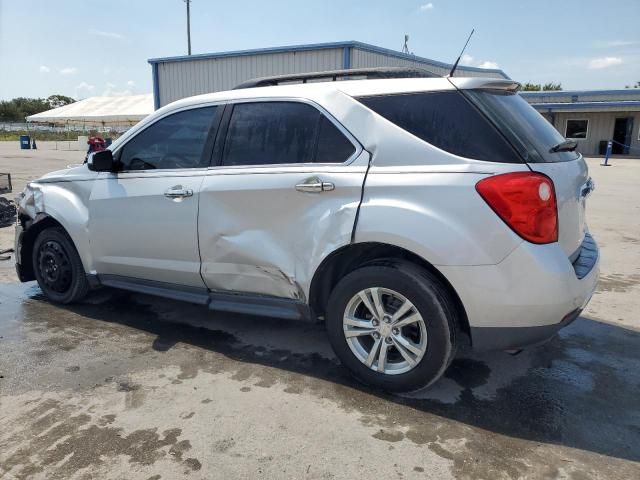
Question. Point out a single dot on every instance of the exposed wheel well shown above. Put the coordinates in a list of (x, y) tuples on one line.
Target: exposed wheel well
[(32, 229), (349, 258)]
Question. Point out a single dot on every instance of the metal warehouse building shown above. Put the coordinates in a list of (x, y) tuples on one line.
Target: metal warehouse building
[(590, 117), (593, 117), (179, 77)]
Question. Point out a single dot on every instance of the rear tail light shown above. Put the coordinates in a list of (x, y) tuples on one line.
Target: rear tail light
[(526, 202)]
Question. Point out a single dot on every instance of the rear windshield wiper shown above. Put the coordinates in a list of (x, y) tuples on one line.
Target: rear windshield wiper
[(566, 146)]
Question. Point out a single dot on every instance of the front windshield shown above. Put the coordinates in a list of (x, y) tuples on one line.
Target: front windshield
[(530, 133)]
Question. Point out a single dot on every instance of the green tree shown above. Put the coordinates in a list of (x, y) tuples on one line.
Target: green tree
[(552, 86), (56, 101), (17, 109), (537, 87), (531, 87)]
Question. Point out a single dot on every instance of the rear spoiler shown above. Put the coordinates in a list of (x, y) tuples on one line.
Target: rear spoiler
[(473, 83)]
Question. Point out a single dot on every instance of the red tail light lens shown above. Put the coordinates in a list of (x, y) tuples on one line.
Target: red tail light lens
[(526, 201)]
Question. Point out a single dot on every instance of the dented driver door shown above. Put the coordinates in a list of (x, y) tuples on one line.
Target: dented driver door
[(264, 228)]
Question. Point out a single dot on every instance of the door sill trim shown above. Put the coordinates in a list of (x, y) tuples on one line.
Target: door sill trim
[(223, 301)]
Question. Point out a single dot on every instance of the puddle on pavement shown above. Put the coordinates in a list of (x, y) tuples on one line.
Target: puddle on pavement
[(483, 415)]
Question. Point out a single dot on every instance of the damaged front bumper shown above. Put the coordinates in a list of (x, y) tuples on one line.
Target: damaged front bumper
[(18, 249)]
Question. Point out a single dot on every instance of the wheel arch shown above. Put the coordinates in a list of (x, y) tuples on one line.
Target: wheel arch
[(32, 228), (350, 257)]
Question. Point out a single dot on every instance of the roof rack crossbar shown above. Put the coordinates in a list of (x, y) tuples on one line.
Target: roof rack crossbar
[(334, 75)]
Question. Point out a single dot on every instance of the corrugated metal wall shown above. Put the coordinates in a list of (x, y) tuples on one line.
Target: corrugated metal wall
[(186, 78), (630, 94), (600, 128), (366, 59)]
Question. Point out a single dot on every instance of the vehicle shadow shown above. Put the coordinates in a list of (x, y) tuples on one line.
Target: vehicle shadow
[(580, 390)]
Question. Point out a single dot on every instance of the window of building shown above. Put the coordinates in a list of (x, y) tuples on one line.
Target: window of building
[(269, 133), (576, 129), (175, 141)]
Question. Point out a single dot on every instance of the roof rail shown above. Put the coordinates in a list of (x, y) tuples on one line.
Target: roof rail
[(333, 75)]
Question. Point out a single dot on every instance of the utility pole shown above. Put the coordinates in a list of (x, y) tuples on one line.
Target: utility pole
[(188, 26)]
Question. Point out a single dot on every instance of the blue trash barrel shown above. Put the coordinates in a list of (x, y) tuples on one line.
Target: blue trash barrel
[(25, 142)]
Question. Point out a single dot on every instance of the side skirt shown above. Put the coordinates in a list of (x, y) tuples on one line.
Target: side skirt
[(235, 302)]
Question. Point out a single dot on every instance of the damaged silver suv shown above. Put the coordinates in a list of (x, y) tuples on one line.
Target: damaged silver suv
[(411, 214)]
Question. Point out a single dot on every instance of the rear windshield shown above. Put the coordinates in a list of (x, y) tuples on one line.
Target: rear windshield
[(528, 131), (446, 120)]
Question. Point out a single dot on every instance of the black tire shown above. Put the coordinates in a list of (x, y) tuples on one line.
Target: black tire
[(58, 267), (429, 297)]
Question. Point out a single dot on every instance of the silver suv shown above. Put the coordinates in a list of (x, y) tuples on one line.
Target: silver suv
[(410, 214)]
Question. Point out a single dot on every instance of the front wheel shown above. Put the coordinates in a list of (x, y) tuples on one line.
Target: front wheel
[(393, 325), (58, 267)]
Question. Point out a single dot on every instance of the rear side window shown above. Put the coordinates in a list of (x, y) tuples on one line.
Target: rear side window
[(175, 141), (446, 120), (269, 133)]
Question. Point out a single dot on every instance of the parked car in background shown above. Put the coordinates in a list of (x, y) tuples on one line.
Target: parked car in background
[(410, 214)]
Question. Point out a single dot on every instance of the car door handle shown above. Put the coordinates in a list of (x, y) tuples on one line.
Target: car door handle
[(314, 184), (178, 192)]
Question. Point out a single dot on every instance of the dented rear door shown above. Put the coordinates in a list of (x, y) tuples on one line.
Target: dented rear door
[(264, 229)]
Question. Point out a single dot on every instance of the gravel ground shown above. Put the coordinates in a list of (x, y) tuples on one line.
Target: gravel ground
[(130, 386)]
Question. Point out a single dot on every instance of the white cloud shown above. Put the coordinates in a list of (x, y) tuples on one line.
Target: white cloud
[(131, 84), (488, 64), (426, 7), (466, 59), (110, 90), (68, 70), (100, 33), (605, 62), (44, 69), (85, 86), (615, 43)]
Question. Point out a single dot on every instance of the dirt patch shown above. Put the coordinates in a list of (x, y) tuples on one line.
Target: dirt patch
[(617, 282)]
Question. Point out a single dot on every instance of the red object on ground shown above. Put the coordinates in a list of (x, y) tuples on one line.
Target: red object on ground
[(96, 144)]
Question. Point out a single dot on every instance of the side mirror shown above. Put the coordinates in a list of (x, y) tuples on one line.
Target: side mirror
[(101, 161)]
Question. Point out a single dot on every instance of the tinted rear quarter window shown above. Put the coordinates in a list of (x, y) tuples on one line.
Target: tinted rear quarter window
[(446, 120), (333, 146)]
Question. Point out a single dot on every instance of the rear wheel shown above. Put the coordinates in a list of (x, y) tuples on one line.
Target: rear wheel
[(393, 325), (58, 267)]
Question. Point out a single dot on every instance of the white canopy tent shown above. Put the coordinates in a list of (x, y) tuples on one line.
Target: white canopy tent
[(99, 112)]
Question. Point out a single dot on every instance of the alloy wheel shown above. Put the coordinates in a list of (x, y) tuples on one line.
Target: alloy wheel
[(385, 331)]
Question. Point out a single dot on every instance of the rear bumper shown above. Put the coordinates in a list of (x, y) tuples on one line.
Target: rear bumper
[(514, 338), (528, 297)]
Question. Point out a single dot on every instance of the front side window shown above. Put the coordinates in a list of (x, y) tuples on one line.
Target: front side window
[(270, 133), (175, 141), (577, 129), (446, 120)]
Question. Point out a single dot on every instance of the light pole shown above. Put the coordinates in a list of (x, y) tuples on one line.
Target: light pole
[(188, 26)]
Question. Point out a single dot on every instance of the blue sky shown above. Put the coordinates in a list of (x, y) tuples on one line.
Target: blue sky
[(84, 48)]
